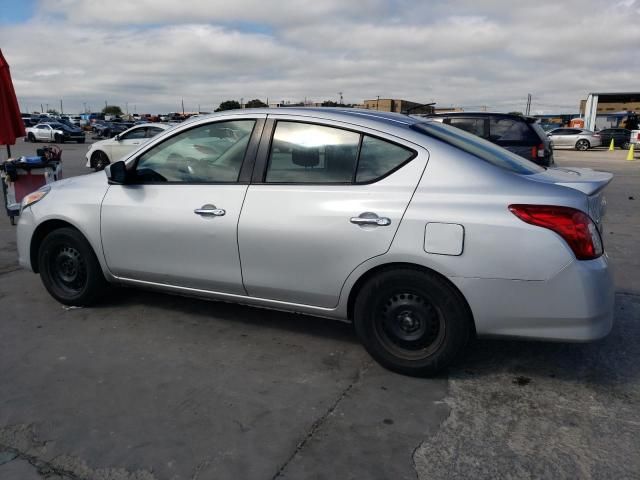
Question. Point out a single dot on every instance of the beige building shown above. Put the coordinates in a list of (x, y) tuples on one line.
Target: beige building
[(396, 105)]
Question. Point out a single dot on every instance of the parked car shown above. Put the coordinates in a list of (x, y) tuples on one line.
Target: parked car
[(54, 132), (578, 138), (521, 135), (420, 234), (109, 129), (620, 137), (104, 152), (634, 138)]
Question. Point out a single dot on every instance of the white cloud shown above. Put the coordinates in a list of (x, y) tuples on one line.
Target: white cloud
[(153, 53)]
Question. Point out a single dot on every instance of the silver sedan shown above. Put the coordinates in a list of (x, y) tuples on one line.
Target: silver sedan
[(578, 138), (420, 234)]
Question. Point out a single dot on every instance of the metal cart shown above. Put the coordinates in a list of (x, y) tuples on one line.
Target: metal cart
[(24, 175)]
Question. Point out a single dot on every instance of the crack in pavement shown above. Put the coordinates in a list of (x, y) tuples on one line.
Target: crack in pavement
[(21, 441), (323, 418), (43, 467)]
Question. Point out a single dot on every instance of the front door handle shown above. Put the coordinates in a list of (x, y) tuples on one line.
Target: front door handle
[(210, 210), (370, 218)]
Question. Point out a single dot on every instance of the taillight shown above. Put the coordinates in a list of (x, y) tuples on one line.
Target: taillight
[(574, 226), (638, 137)]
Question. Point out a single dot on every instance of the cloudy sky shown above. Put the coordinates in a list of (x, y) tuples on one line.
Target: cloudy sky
[(149, 54)]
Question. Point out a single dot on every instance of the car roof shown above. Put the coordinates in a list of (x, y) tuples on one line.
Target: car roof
[(349, 115), (527, 119)]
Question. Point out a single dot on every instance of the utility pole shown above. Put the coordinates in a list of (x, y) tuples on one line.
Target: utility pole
[(378, 103), (61, 109), (341, 102), (182, 101), (41, 109), (47, 107), (126, 107), (527, 110), (84, 107), (241, 102)]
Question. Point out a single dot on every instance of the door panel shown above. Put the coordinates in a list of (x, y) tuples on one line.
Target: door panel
[(151, 233), (298, 244), (176, 223)]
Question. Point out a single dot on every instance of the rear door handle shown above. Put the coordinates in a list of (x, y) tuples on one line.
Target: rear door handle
[(370, 218), (210, 210)]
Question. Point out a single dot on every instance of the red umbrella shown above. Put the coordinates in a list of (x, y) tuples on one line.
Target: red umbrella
[(11, 125)]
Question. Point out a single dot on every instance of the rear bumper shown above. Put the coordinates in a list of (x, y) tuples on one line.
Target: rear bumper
[(575, 305)]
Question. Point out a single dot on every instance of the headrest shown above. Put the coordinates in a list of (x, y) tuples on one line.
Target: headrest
[(305, 157)]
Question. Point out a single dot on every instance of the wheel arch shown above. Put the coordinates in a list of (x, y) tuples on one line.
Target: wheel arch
[(372, 272), (39, 235)]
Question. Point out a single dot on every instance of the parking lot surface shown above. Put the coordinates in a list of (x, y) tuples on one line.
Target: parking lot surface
[(150, 386)]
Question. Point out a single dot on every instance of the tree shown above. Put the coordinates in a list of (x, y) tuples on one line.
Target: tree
[(228, 105), (52, 111), (112, 110), (330, 103), (255, 103), (516, 113)]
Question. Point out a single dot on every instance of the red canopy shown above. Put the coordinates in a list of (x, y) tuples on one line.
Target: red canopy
[(11, 125)]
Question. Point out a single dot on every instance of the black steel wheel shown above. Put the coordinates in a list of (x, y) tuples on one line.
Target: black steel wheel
[(412, 321), (626, 145), (99, 160), (69, 268), (582, 145)]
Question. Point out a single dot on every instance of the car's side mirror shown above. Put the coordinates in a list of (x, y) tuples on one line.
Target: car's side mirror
[(117, 138), (117, 173)]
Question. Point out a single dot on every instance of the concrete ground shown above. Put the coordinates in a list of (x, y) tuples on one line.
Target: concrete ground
[(149, 386)]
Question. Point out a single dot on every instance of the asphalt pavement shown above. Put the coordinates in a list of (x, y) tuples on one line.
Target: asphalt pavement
[(151, 386)]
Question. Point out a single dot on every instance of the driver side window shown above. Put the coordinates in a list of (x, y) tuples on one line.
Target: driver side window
[(134, 134), (208, 153)]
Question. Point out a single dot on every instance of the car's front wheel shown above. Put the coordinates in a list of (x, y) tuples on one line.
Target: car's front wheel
[(69, 268), (31, 137), (582, 145), (99, 160), (412, 321)]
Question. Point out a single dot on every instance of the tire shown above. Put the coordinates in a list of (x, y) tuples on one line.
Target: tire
[(626, 145), (412, 321), (31, 138), (81, 140), (69, 268), (99, 160), (583, 145), (58, 139)]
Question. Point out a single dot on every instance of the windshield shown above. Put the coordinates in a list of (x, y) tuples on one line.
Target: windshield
[(482, 149)]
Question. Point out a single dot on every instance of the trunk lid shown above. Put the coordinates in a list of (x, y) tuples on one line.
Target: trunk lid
[(586, 180)]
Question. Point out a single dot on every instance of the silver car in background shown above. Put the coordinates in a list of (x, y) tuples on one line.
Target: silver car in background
[(578, 138), (419, 233)]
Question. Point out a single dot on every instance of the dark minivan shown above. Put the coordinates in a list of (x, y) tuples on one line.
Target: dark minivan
[(518, 134)]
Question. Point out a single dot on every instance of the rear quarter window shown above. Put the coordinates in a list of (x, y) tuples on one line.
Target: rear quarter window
[(511, 130), (483, 149)]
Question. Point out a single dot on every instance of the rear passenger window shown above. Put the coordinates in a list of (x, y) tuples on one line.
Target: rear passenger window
[(471, 125), (510, 130), (379, 158), (306, 153)]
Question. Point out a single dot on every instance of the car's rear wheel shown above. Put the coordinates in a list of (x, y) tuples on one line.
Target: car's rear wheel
[(58, 138), (626, 145), (582, 145), (412, 321), (69, 268), (99, 160)]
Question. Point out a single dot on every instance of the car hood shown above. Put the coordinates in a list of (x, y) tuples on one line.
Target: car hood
[(83, 181), (585, 180)]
